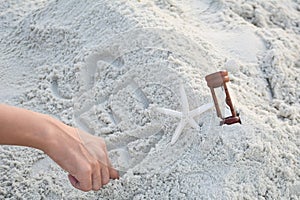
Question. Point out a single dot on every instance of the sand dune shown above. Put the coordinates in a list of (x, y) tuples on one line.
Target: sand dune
[(104, 66)]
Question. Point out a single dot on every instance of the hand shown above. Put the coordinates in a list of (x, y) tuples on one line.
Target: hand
[(85, 157)]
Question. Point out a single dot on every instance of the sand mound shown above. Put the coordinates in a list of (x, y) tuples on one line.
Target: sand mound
[(103, 66)]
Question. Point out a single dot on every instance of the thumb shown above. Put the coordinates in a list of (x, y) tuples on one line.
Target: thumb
[(80, 186), (73, 181)]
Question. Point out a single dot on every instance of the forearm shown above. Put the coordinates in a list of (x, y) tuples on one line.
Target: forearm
[(26, 128), (83, 155)]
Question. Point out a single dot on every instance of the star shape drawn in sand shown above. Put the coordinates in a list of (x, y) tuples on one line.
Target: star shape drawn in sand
[(186, 116)]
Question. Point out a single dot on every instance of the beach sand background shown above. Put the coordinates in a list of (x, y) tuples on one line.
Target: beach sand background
[(103, 66)]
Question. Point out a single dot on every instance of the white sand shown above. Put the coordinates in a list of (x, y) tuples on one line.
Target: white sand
[(103, 65)]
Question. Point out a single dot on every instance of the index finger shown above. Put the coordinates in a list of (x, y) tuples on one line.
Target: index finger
[(113, 173)]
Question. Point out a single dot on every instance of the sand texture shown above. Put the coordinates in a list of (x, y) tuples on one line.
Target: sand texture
[(105, 66)]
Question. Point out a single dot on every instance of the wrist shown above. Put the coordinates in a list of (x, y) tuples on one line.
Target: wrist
[(54, 132)]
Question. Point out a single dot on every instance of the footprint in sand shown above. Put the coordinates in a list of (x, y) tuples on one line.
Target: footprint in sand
[(123, 78)]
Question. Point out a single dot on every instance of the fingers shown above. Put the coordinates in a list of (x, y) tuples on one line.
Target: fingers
[(105, 175), (97, 178), (101, 176), (113, 173), (95, 168)]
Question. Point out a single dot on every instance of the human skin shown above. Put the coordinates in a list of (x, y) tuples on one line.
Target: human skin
[(82, 155)]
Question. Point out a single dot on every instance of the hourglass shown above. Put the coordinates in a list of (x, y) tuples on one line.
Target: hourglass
[(218, 81)]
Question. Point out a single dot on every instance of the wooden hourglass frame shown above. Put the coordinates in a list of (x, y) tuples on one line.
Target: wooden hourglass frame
[(216, 80)]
